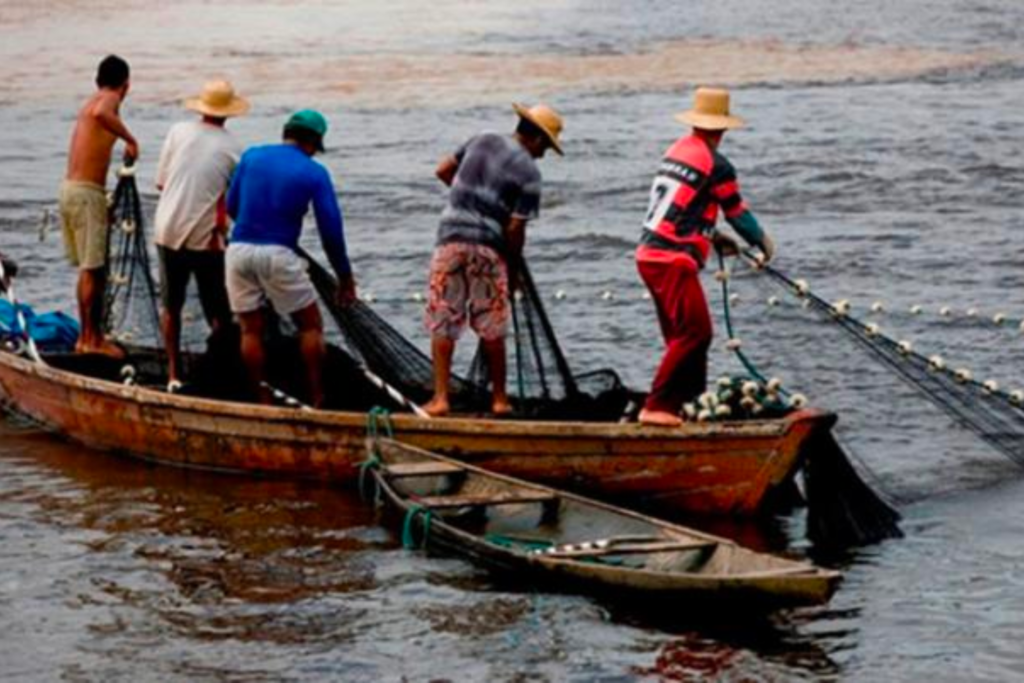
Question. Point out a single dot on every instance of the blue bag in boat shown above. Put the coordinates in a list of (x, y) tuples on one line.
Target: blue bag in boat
[(53, 332)]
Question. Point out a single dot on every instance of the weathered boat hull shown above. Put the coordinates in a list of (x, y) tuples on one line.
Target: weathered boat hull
[(724, 468), (555, 538)]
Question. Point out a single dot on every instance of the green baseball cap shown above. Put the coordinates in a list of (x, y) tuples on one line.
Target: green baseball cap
[(311, 120)]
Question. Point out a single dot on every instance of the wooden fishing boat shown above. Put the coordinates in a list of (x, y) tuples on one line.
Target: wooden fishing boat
[(578, 544), (720, 468)]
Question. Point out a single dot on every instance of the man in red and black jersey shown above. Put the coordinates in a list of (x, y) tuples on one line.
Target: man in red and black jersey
[(693, 182)]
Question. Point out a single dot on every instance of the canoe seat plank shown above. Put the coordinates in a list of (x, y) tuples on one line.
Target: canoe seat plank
[(632, 549), (441, 502), (422, 469)]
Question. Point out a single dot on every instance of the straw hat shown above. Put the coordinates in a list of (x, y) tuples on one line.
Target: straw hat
[(218, 99), (710, 111), (545, 118)]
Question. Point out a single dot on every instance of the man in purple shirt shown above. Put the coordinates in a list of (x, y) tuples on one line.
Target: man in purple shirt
[(495, 191), (270, 194)]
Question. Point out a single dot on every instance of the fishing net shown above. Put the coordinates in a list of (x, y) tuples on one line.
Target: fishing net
[(993, 414), (843, 510), (542, 384), (383, 349), (131, 313)]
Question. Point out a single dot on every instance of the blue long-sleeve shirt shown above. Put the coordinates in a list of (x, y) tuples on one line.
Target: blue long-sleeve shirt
[(270, 194)]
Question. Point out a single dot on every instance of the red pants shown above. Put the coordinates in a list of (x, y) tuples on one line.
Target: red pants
[(685, 324)]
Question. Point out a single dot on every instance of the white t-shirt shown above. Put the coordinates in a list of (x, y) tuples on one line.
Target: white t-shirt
[(196, 164)]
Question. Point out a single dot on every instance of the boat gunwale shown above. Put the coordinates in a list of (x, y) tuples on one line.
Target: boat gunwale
[(463, 425)]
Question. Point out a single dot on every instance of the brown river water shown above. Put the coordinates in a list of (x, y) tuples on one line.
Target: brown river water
[(883, 153)]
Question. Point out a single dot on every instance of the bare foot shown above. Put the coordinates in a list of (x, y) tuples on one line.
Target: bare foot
[(438, 407), (104, 348), (501, 408), (659, 418)]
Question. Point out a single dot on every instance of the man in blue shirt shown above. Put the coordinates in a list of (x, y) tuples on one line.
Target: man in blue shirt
[(269, 196)]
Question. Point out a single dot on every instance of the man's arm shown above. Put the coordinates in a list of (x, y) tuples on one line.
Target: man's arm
[(515, 236), (218, 238), (525, 208), (163, 167), (235, 190), (331, 226), (446, 169), (747, 227), (726, 191), (515, 239), (449, 166), (107, 115)]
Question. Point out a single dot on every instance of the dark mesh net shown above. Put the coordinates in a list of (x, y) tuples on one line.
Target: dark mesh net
[(538, 369), (994, 415), (382, 349), (131, 313), (541, 383)]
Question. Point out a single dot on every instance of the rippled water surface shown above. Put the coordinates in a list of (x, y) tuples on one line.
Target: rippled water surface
[(883, 152)]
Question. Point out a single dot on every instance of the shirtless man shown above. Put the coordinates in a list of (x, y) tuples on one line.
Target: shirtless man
[(83, 197)]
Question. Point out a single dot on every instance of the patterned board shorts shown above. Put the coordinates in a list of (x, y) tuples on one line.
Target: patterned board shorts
[(468, 283)]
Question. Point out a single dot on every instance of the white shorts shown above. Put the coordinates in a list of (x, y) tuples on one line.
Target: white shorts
[(258, 272)]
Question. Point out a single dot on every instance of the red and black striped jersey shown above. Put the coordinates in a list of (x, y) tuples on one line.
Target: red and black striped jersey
[(693, 182)]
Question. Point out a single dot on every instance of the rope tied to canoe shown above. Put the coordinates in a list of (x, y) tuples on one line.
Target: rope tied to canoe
[(377, 420), (408, 538), (518, 542)]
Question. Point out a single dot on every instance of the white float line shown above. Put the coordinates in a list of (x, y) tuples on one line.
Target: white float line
[(289, 401), (843, 307)]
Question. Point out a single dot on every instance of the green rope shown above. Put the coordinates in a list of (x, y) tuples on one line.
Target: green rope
[(746, 362), (518, 542), (377, 417), (408, 542), (372, 462), (374, 418)]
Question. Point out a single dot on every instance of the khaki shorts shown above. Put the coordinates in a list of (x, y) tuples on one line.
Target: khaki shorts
[(258, 272), (85, 219)]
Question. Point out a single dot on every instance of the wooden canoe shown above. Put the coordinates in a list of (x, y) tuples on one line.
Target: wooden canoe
[(578, 544), (725, 468)]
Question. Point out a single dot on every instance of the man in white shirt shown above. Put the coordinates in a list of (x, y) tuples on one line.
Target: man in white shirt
[(196, 164)]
